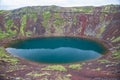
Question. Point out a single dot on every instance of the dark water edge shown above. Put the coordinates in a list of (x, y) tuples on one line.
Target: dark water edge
[(73, 50)]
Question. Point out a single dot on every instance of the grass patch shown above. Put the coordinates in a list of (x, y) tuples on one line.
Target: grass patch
[(116, 54), (103, 61), (116, 39), (7, 58), (58, 22), (55, 67), (34, 74), (75, 66), (28, 33), (23, 24), (9, 22), (46, 16), (5, 35)]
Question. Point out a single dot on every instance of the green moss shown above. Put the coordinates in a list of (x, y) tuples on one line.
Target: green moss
[(23, 24), (45, 23), (102, 29), (116, 54), (32, 16), (35, 74), (3, 35), (116, 39), (9, 22), (75, 66), (14, 67), (46, 15), (7, 58), (2, 53), (58, 22), (9, 31), (3, 11), (28, 33), (55, 67), (12, 60), (56, 15), (12, 33), (88, 10), (103, 61)]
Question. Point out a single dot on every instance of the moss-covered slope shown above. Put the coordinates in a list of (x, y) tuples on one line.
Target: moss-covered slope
[(98, 22)]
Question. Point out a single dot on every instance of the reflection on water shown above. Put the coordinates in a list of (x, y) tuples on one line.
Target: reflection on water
[(57, 55)]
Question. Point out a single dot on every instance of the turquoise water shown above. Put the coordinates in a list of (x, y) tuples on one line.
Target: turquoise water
[(56, 49)]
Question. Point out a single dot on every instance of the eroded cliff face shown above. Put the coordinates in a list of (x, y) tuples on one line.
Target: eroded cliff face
[(97, 22)]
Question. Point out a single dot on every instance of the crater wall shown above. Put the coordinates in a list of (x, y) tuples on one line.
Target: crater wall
[(96, 22)]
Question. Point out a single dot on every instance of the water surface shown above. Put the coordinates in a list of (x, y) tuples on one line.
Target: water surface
[(56, 49)]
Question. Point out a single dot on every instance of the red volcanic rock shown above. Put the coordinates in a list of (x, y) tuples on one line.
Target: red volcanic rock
[(83, 20)]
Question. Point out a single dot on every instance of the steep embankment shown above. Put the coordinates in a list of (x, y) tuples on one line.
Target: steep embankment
[(98, 22), (102, 23)]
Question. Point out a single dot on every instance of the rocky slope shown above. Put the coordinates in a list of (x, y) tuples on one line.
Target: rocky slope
[(98, 22)]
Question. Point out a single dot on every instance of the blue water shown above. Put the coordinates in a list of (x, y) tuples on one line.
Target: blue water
[(56, 49)]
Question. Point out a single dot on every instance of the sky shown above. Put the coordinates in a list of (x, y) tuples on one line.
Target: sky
[(14, 4)]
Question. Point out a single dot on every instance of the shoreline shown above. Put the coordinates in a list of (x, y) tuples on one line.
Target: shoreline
[(103, 43), (92, 68)]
